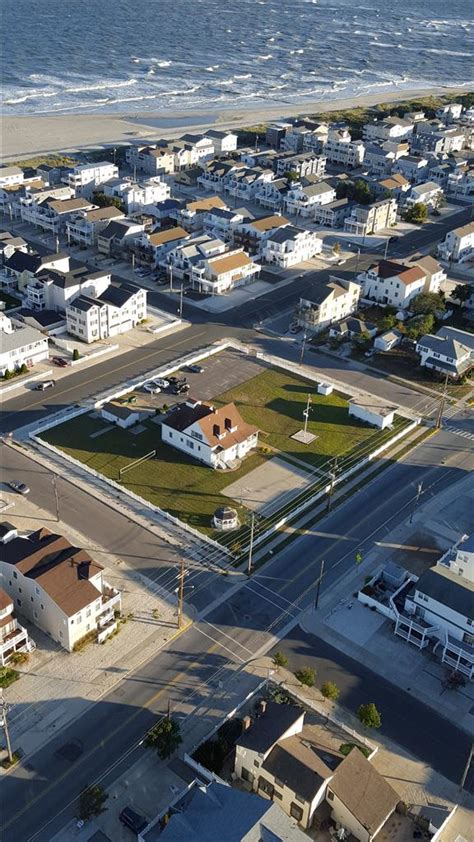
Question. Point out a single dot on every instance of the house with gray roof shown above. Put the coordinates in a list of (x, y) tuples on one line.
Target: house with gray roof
[(23, 346), (300, 765), (289, 245), (450, 351), (329, 303), (302, 201)]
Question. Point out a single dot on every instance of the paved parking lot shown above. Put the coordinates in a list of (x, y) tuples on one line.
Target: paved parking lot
[(265, 489)]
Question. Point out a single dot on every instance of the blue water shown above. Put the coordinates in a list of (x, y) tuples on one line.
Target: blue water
[(130, 56)]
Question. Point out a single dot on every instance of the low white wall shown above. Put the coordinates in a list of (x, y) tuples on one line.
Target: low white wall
[(374, 603), (23, 381)]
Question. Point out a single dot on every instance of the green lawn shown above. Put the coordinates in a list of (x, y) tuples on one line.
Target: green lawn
[(188, 490), (275, 400)]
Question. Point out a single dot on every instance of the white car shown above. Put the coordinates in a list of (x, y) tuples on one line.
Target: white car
[(163, 384), (153, 388)]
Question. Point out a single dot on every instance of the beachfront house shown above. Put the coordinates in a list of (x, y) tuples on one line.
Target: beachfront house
[(86, 178)]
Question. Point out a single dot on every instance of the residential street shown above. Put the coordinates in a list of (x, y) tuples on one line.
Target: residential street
[(40, 794)]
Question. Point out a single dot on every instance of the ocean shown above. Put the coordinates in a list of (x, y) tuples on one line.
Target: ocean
[(130, 56)]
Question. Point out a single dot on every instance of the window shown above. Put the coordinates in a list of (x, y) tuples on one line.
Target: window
[(265, 786), (246, 775), (299, 798), (15, 574), (18, 601), (330, 795), (37, 590), (42, 607), (296, 812), (35, 614), (32, 599), (256, 763), (88, 612), (277, 795)]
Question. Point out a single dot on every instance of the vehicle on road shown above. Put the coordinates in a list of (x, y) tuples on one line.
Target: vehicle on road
[(134, 821), (195, 369), (60, 361), (162, 383), (341, 262), (152, 388), (19, 487), (45, 384)]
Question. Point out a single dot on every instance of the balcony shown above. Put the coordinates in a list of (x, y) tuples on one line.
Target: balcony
[(110, 601), (14, 641)]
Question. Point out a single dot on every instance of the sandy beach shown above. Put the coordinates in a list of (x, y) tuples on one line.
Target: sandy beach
[(24, 136)]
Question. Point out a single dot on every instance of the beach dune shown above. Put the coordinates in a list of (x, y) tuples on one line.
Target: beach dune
[(25, 136)]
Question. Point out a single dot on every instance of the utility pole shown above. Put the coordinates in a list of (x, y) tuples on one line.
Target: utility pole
[(56, 498), (57, 244), (417, 498), (439, 417), (252, 528), (357, 263), (303, 348), (182, 572), (318, 585), (180, 311), (306, 414), (133, 261), (467, 767), (4, 722), (171, 277), (386, 248), (333, 480)]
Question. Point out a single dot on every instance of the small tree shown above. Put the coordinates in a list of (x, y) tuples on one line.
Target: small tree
[(336, 249), (419, 325), (307, 676), (280, 659), (427, 302), (417, 213), (75, 354), (165, 737), (388, 321), (369, 715), (330, 690), (291, 176), (462, 292), (91, 802)]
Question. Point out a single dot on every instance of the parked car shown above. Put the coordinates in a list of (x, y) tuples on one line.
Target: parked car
[(19, 487), (173, 380), (152, 388), (162, 383), (60, 361), (134, 821), (45, 384), (195, 369), (180, 388)]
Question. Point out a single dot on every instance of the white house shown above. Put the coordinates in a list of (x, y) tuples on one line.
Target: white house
[(390, 282), (458, 245), (440, 607), (220, 273), (391, 128), (161, 242), (10, 176), (252, 234), (137, 196), (202, 145), (222, 223), (449, 351), (272, 194), (299, 766), (288, 246), (84, 227), (333, 214), (24, 267), (223, 141), (449, 113), (54, 214), (302, 201), (217, 437), (23, 346), (181, 260), (412, 168), (58, 587), (13, 636), (341, 149), (86, 178), (368, 219), (119, 413), (429, 193), (388, 340), (114, 239), (329, 303), (54, 290), (192, 215), (116, 310), (373, 411), (151, 159), (302, 165)]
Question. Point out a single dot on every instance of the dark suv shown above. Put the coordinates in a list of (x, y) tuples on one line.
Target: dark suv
[(134, 821)]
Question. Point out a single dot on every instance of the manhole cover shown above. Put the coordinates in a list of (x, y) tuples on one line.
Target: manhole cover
[(70, 751)]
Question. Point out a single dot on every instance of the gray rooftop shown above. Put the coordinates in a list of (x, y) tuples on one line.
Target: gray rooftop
[(269, 727), (449, 589), (19, 338)]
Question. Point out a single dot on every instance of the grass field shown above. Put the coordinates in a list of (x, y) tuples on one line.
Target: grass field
[(273, 400)]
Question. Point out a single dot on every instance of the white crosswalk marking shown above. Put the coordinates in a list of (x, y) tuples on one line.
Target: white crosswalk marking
[(458, 432)]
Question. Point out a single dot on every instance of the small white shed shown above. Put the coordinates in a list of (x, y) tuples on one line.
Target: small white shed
[(325, 388), (120, 414), (388, 340), (372, 411)]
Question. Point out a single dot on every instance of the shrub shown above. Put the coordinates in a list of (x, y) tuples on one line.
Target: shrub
[(346, 749), (91, 802), (330, 690), (7, 676), (369, 715), (19, 658), (165, 737), (280, 659), (76, 355), (306, 676)]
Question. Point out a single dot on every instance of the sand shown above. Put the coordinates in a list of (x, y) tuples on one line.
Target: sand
[(24, 136)]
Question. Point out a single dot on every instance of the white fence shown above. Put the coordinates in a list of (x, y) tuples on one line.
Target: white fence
[(23, 381)]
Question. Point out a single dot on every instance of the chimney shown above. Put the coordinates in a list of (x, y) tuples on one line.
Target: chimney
[(216, 430), (246, 723), (262, 706)]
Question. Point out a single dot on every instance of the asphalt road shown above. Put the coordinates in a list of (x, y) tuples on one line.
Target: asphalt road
[(38, 798)]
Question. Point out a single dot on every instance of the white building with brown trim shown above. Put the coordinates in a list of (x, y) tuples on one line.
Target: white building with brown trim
[(390, 282), (217, 437), (58, 587)]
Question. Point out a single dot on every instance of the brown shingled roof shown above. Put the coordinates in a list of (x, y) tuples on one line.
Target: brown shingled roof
[(62, 570), (364, 791), (228, 263), (162, 237), (206, 204), (267, 223)]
